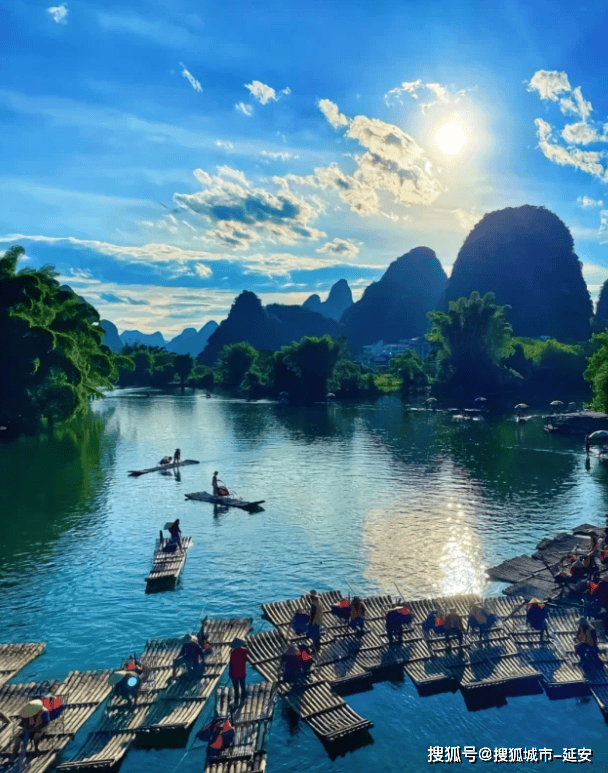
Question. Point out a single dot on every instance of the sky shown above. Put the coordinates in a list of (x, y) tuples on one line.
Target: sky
[(166, 156)]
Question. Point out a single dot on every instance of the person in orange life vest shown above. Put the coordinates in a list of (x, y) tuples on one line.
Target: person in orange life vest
[(357, 615), (134, 665), (317, 610), (218, 491), (190, 655), (175, 533), (305, 659), (221, 736), (536, 615), (237, 669), (435, 621), (342, 610), (395, 619)]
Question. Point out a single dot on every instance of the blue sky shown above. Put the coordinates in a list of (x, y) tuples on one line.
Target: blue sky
[(166, 156)]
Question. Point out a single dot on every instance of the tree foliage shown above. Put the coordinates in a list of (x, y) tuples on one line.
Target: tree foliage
[(473, 336), (408, 368), (597, 373), (50, 339), (234, 362)]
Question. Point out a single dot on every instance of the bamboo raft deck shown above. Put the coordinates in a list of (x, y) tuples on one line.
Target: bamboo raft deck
[(251, 721), (167, 567), (82, 693), (509, 661), (162, 467), (203, 496), (164, 711), (14, 657), (534, 575)]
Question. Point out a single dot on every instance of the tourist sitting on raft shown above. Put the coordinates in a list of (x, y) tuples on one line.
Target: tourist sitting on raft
[(125, 685), (357, 615), (301, 622), (31, 722), (342, 610), (166, 460), (536, 615), (220, 735), (595, 600), (482, 620), (317, 610), (395, 619), (453, 626), (586, 642), (296, 662), (133, 665), (191, 655)]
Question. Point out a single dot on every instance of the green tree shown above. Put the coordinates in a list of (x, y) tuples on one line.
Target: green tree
[(234, 362), (313, 360), (408, 368), (473, 336), (52, 340), (183, 364), (597, 373)]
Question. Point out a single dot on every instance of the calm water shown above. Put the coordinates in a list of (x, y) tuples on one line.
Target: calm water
[(365, 495)]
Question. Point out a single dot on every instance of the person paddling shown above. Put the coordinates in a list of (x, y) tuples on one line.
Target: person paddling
[(218, 491), (175, 533)]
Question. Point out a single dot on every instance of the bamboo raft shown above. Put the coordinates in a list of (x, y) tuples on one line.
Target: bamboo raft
[(251, 721), (167, 567), (81, 692), (164, 712), (534, 576), (509, 661), (14, 657), (162, 467), (203, 496)]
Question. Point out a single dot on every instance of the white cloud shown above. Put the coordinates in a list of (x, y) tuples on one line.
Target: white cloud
[(224, 144), (331, 112), (278, 155), (59, 13), (586, 160), (191, 79), (339, 247), (243, 108), (467, 218), (442, 95), (202, 270), (242, 214), (549, 83), (585, 202), (580, 133), (286, 90), (603, 232), (394, 163), (261, 92)]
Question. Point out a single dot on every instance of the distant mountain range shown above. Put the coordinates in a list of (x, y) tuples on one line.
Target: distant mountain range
[(189, 341), (524, 255)]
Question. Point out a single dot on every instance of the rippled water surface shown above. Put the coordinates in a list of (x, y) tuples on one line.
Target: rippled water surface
[(361, 497)]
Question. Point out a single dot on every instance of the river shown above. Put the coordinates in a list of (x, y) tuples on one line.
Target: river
[(361, 496)]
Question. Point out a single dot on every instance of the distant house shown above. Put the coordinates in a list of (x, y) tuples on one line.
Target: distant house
[(382, 353)]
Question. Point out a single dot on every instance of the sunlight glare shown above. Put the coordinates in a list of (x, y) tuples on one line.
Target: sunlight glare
[(451, 137)]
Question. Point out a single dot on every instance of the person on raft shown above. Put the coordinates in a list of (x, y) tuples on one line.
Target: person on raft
[(220, 735), (190, 655), (357, 615), (342, 610), (586, 642), (126, 687), (536, 615), (166, 460), (454, 626), (177, 455), (301, 622), (175, 533), (317, 611), (483, 620), (296, 663), (587, 445), (218, 491), (395, 619), (435, 622), (237, 669)]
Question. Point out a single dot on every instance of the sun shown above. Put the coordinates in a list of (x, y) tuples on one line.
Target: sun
[(451, 137)]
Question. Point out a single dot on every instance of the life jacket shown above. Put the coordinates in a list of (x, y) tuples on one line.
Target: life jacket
[(406, 611), (222, 491), (593, 586), (344, 603), (439, 621), (51, 703), (131, 666), (305, 655)]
